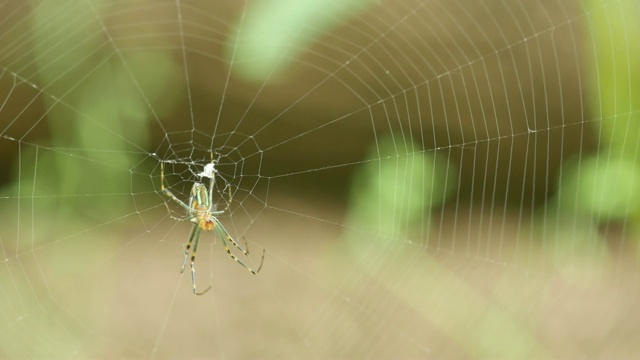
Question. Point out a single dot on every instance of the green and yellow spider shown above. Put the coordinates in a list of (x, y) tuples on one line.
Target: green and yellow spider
[(202, 213)]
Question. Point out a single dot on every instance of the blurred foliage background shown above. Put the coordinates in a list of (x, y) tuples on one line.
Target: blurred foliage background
[(447, 179)]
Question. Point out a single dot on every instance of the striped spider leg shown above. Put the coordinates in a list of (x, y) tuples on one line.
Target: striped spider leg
[(202, 213)]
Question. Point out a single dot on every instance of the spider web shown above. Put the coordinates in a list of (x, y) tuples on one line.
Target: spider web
[(427, 178)]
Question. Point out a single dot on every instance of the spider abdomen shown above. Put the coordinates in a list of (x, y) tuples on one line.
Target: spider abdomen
[(207, 224)]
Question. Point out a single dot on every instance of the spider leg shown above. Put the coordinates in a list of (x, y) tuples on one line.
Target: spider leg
[(174, 198), (168, 192), (195, 239), (189, 217), (186, 218), (227, 203), (224, 236), (188, 247)]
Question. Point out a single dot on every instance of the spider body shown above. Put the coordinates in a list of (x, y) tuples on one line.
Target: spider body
[(202, 213), (205, 222), (201, 205)]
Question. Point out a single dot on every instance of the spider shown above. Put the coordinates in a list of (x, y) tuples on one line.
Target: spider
[(202, 213)]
